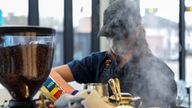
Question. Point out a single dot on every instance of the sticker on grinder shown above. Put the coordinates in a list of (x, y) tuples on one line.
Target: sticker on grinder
[(51, 90)]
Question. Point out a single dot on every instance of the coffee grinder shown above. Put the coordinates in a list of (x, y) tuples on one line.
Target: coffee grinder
[(26, 55)]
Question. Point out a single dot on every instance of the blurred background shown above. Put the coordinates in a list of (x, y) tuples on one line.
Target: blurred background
[(167, 23)]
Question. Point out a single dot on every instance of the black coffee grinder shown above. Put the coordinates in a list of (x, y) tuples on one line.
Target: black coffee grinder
[(26, 55)]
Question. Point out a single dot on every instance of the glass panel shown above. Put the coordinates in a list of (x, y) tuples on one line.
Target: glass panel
[(160, 20), (52, 15), (188, 45), (188, 42), (82, 27), (12, 14), (103, 42)]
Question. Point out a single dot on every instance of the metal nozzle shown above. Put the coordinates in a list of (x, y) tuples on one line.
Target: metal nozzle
[(118, 87), (113, 87)]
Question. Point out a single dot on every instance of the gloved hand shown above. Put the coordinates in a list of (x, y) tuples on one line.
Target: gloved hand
[(69, 101), (83, 99), (94, 100)]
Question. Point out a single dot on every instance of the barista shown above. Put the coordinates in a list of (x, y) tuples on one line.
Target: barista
[(128, 59)]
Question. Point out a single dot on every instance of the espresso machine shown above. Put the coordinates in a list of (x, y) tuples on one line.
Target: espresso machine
[(26, 55)]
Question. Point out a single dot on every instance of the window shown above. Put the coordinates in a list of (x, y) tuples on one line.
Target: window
[(188, 48), (103, 5), (52, 15), (82, 28), (11, 14), (188, 42), (160, 20)]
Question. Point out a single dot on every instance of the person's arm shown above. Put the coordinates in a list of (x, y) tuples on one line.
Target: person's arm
[(64, 71), (82, 71), (62, 75)]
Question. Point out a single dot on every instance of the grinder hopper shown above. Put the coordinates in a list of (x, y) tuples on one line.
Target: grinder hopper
[(26, 55)]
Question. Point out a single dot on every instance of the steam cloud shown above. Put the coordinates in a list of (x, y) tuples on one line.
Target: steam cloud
[(144, 75), (121, 18)]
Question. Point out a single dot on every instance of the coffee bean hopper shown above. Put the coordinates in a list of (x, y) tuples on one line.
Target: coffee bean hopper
[(26, 55)]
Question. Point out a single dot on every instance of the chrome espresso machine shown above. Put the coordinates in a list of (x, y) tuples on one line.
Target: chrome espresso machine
[(26, 55)]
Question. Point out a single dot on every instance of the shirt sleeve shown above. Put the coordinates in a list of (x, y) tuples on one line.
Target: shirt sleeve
[(84, 70)]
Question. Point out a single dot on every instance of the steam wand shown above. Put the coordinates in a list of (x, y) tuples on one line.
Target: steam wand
[(113, 87), (117, 82)]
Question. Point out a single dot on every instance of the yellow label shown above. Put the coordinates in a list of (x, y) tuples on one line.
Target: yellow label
[(48, 94), (55, 90)]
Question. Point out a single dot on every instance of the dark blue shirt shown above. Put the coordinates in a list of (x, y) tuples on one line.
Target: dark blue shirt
[(89, 68)]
